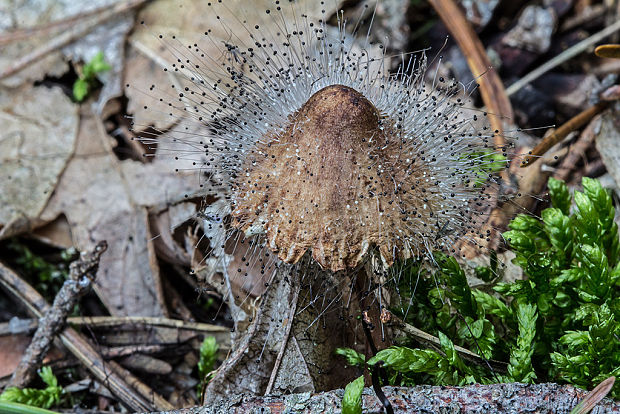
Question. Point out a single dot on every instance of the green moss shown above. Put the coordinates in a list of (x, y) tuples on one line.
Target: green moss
[(561, 323)]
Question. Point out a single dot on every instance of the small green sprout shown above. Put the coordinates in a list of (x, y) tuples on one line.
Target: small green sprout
[(352, 399), (206, 363), (43, 398), (86, 81), (354, 358)]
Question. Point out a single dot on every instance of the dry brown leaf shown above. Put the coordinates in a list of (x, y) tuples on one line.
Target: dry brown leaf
[(12, 348), (289, 345), (108, 37), (188, 21), (57, 233), (39, 127), (164, 224), (51, 65), (107, 199)]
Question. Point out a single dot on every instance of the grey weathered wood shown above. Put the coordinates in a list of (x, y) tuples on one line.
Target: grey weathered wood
[(495, 398)]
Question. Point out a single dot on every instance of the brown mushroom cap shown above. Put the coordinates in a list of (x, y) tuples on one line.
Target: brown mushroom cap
[(335, 180)]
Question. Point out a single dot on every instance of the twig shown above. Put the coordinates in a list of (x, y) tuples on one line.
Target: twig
[(82, 274), (68, 37), (562, 57), (27, 326), (577, 150), (112, 321), (491, 86), (123, 385), (593, 12), (559, 134), (429, 339), (121, 351)]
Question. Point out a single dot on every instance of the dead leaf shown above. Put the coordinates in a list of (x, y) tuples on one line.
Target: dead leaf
[(57, 233), (107, 199), (324, 320), (108, 37), (164, 225), (188, 22), (39, 128), (51, 65), (12, 348)]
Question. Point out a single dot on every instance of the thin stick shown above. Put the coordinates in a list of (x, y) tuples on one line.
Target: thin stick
[(491, 86), (111, 321), (577, 150), (29, 325), (563, 57), (427, 338), (559, 134)]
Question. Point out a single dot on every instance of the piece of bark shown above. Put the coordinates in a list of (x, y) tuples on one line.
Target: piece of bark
[(495, 398), (533, 31)]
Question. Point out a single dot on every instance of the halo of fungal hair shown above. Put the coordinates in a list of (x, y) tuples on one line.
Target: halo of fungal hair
[(409, 178)]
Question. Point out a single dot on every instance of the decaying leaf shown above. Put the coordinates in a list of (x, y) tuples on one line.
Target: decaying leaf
[(39, 128), (108, 37), (187, 22), (107, 199)]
